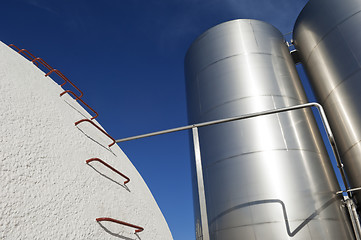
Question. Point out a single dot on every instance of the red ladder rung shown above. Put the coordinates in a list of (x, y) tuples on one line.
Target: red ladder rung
[(138, 229), (110, 167), (65, 80), (12, 45), (42, 61), (77, 98), (27, 54), (87, 120)]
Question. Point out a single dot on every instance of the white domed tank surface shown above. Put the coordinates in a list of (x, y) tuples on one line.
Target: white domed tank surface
[(61, 175)]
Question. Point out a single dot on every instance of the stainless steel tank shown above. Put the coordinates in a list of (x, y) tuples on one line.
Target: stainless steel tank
[(268, 177), (329, 41)]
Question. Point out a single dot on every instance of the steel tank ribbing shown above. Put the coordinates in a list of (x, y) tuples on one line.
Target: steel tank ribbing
[(329, 44), (268, 177)]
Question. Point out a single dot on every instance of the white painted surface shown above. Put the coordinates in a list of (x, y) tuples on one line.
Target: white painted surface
[(47, 191)]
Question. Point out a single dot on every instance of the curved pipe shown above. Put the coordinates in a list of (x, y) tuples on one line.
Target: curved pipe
[(138, 229), (77, 98), (110, 167), (87, 120), (27, 54), (65, 79), (42, 61), (12, 45), (263, 113)]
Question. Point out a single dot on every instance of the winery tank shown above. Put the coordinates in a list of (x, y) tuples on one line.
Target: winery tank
[(328, 40), (267, 177)]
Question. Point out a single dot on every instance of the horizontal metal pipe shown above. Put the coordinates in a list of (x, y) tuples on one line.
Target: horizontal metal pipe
[(251, 115), (350, 190), (262, 113)]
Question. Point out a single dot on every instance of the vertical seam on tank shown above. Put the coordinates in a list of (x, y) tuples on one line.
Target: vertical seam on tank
[(279, 124), (254, 35)]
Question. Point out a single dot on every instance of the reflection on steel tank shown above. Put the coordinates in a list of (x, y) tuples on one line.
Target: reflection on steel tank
[(327, 37), (267, 177)]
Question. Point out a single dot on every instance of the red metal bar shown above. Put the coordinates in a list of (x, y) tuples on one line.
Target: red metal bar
[(27, 54), (42, 61), (138, 229), (65, 79), (58, 72), (87, 120), (107, 165), (12, 45), (77, 98)]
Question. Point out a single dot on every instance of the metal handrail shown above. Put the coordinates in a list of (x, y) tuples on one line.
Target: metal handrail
[(82, 101), (224, 120), (87, 120), (110, 167), (138, 229), (65, 79), (352, 211), (262, 113)]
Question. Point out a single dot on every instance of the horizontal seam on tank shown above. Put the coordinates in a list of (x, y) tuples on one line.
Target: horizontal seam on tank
[(209, 30), (324, 36), (239, 54), (265, 95), (270, 150), (355, 144), (340, 83), (217, 26)]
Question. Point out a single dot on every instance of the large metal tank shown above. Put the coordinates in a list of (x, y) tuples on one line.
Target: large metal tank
[(268, 177), (329, 41)]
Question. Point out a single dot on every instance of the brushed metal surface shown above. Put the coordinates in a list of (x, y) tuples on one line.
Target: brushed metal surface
[(200, 183), (327, 38), (268, 177)]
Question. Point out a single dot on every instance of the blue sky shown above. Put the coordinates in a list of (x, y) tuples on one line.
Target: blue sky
[(127, 57)]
